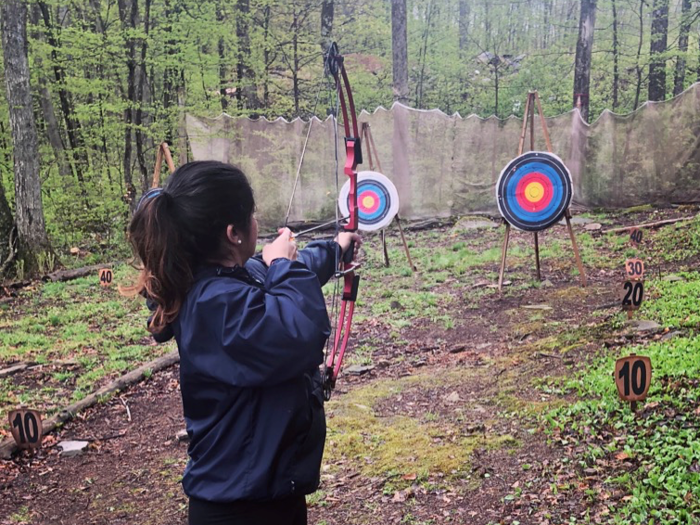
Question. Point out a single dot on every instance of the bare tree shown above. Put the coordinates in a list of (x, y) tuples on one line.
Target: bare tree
[(327, 14), (247, 93), (29, 212), (679, 76), (399, 47), (616, 57), (584, 49), (463, 25), (657, 48)]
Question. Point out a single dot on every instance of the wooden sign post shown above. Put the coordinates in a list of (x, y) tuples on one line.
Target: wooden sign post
[(632, 293), (371, 150)]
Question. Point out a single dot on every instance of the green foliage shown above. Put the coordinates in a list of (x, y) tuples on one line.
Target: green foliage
[(662, 439), (482, 63)]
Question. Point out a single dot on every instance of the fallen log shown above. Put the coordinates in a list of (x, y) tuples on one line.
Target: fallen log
[(19, 367), (61, 275), (8, 446), (67, 275), (649, 225)]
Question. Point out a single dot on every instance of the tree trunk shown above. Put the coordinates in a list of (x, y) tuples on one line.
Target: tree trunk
[(75, 139), (638, 63), (679, 76), (6, 233), (399, 48), (247, 93), (139, 96), (463, 26), (33, 240), (423, 57), (181, 123), (171, 74), (327, 12), (295, 57), (657, 48), (221, 47), (616, 59), (266, 57), (129, 16), (584, 49), (48, 111)]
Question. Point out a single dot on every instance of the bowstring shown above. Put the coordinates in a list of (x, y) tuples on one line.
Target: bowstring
[(303, 152), (336, 288)]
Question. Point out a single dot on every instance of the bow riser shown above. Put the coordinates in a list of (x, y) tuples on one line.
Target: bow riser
[(353, 149)]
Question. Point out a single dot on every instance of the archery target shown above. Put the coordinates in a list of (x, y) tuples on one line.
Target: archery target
[(534, 190), (377, 200)]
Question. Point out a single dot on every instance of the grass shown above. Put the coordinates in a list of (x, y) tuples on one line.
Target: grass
[(84, 334), (663, 440), (402, 449)]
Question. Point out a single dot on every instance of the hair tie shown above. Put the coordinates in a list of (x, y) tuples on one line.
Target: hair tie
[(153, 192)]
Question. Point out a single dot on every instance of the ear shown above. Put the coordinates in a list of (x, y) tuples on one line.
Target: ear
[(232, 234)]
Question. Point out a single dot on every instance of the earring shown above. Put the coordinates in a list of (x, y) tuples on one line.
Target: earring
[(240, 241)]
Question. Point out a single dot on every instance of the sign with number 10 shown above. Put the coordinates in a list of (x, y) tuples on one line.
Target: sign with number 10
[(633, 377), (26, 428)]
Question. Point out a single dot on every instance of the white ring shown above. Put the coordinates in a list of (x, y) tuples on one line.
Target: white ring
[(393, 196)]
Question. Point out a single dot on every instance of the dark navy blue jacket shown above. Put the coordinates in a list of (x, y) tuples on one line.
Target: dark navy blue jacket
[(251, 341)]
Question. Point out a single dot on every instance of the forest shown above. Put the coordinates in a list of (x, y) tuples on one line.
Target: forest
[(109, 80), (547, 374)]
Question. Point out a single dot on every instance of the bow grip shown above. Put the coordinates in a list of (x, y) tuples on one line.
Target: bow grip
[(347, 256)]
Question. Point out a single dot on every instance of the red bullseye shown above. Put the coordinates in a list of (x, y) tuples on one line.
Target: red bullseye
[(534, 192), (368, 202)]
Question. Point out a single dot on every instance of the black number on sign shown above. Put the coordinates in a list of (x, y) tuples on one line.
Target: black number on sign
[(636, 236), (106, 277), (28, 427), (634, 293), (635, 268), (637, 380)]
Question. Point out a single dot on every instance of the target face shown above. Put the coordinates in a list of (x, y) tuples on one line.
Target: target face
[(377, 200), (534, 190)]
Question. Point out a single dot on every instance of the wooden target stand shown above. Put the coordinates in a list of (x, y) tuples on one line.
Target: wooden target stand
[(163, 153), (371, 150), (529, 122)]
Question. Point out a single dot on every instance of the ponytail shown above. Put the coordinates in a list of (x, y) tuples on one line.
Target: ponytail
[(182, 226)]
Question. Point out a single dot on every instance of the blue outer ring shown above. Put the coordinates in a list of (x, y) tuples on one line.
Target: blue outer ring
[(558, 193), (552, 168), (384, 206)]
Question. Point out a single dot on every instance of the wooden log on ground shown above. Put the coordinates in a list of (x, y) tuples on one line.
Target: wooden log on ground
[(8, 446), (19, 367), (649, 225), (67, 275)]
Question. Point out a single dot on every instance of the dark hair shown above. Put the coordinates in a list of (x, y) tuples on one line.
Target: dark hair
[(182, 226)]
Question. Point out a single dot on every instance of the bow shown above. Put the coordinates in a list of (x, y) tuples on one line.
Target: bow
[(334, 65)]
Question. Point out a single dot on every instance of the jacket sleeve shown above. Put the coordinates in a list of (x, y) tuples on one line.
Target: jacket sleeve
[(321, 257), (266, 336)]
